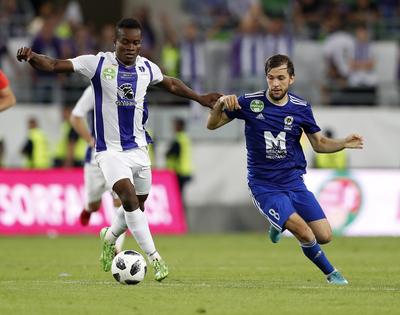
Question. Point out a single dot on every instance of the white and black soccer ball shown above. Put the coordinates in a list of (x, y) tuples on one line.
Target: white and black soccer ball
[(129, 267)]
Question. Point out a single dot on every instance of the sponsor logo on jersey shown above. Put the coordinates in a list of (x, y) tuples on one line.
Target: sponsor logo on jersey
[(125, 75), (288, 122), (275, 146), (125, 91), (126, 96), (256, 106), (108, 73)]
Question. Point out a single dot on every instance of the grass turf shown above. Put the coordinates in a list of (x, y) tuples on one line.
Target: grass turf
[(209, 274)]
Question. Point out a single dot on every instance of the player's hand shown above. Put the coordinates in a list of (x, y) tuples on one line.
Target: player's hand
[(92, 143), (230, 102), (354, 141), (208, 100), (24, 54)]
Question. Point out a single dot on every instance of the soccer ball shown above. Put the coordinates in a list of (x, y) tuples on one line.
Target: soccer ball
[(129, 267)]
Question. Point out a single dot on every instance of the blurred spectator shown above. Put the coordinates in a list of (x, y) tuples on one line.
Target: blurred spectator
[(192, 65), (365, 12), (247, 55), (179, 155), (143, 15), (278, 40), (389, 11), (212, 16), (46, 85), (14, 16), (5, 55), (277, 7), (338, 52), (307, 17), (192, 52), (70, 149), (107, 37), (7, 97), (337, 160), (82, 42), (170, 55), (362, 79), (46, 10), (73, 13), (241, 8), (362, 64), (35, 149)]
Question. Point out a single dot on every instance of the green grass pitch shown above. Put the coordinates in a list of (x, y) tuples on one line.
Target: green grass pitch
[(209, 274)]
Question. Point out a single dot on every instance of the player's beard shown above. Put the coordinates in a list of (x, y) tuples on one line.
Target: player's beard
[(277, 98)]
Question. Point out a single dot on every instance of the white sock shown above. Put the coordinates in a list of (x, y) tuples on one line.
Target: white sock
[(118, 226), (119, 243), (139, 227)]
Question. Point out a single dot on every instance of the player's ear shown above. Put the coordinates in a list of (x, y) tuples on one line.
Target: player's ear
[(291, 80)]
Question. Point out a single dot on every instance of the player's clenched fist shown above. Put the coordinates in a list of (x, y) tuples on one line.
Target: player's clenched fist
[(208, 100), (230, 102), (24, 54), (354, 141)]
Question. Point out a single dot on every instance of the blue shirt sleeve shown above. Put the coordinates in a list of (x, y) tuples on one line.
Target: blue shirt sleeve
[(309, 124), (239, 114)]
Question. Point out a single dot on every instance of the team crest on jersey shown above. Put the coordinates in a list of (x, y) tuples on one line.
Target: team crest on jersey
[(288, 122), (256, 106), (109, 73)]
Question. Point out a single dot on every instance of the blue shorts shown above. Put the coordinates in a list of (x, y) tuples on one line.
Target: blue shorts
[(278, 205)]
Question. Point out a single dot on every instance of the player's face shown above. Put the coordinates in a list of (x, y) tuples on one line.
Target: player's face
[(127, 45), (279, 80)]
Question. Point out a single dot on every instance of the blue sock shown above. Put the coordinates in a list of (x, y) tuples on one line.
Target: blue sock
[(314, 252)]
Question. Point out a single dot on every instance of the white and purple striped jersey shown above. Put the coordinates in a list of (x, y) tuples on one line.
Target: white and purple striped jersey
[(84, 108), (121, 111)]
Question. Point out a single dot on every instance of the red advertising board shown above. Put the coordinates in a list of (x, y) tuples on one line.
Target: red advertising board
[(50, 202)]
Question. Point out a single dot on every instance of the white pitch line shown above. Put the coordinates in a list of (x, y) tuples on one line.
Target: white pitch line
[(205, 285)]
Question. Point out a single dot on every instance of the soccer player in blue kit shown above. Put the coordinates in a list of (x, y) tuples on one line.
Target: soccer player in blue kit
[(120, 81), (274, 122)]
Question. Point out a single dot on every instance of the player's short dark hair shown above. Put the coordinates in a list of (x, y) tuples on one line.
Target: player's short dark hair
[(127, 23), (279, 60)]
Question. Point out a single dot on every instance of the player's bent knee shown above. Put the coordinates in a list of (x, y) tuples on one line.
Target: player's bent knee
[(117, 203), (303, 233), (129, 203), (306, 235), (324, 238)]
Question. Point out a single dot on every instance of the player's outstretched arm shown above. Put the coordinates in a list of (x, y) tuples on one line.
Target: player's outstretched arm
[(43, 62), (322, 144), (80, 126), (177, 87), (217, 118)]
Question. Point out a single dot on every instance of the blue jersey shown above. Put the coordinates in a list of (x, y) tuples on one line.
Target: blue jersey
[(274, 154)]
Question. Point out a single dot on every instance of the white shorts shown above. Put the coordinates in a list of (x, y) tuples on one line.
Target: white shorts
[(133, 164), (95, 183)]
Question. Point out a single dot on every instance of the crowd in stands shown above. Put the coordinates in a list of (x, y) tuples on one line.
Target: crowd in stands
[(251, 29)]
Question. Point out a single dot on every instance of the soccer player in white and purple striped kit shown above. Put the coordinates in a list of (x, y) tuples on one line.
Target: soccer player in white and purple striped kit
[(120, 80)]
